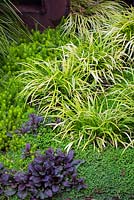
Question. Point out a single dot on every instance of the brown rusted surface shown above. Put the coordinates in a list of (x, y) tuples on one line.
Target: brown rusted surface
[(130, 2), (45, 13)]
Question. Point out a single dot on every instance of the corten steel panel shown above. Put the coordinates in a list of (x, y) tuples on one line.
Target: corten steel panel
[(47, 13), (130, 2)]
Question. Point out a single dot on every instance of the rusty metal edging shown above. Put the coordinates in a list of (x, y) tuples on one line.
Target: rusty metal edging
[(47, 14)]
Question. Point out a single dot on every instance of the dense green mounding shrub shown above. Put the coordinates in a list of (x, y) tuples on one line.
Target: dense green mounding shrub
[(39, 46), (13, 110)]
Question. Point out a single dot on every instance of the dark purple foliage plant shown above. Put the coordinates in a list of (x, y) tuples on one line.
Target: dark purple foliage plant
[(53, 173), (6, 182), (47, 175), (26, 151), (31, 125)]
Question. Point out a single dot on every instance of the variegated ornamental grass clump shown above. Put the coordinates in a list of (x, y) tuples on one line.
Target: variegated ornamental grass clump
[(76, 87), (64, 88), (78, 71), (97, 120), (90, 15)]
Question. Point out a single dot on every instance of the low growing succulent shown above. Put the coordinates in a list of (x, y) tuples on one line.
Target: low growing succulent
[(47, 175)]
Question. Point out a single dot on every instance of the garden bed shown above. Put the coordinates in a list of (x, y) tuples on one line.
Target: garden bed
[(68, 88)]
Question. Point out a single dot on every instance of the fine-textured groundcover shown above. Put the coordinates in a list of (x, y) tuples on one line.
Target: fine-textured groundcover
[(108, 174), (83, 83)]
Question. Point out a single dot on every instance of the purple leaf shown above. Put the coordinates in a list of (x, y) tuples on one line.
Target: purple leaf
[(68, 165), (58, 120), (36, 179), (21, 187), (39, 160), (76, 162), (60, 153), (81, 186), (58, 170), (48, 192), (70, 155), (74, 176), (38, 168), (40, 119), (31, 170), (66, 184), (10, 192), (27, 148), (46, 178), (55, 188), (5, 177), (71, 169), (22, 194), (31, 116), (20, 177), (50, 152), (25, 129)]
